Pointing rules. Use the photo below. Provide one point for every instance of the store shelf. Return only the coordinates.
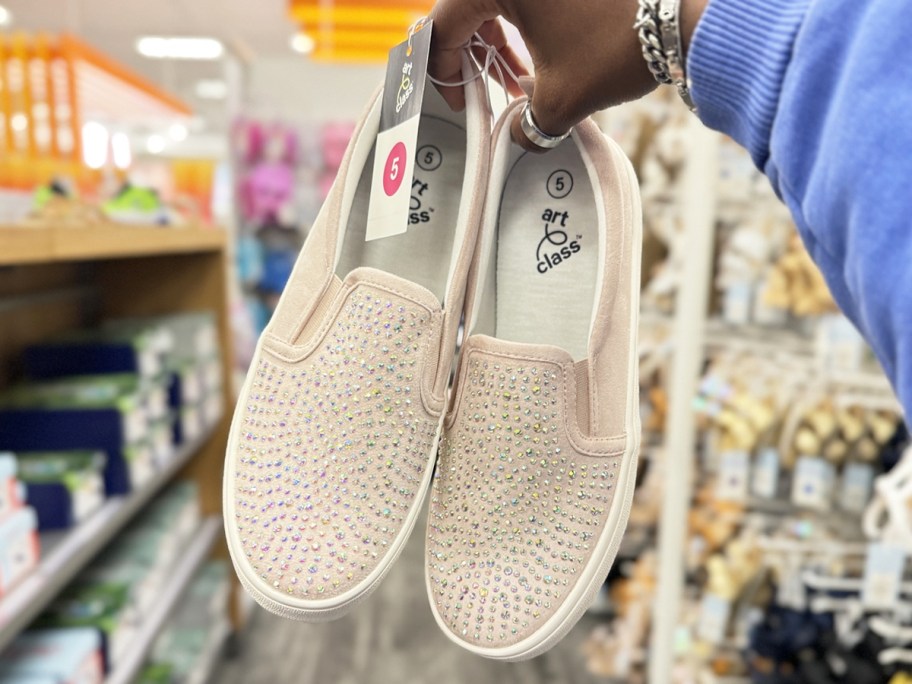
(63, 555)
(204, 670)
(29, 244)
(195, 554)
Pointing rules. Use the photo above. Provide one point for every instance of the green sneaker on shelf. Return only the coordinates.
(137, 205)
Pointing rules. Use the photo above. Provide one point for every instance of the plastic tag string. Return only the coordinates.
(493, 58)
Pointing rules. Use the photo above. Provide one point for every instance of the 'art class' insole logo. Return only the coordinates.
(556, 246)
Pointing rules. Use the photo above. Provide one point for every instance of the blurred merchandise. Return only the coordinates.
(64, 487)
(19, 547)
(139, 206)
(54, 656)
(152, 208)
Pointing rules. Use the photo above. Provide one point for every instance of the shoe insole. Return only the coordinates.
(423, 253)
(547, 251)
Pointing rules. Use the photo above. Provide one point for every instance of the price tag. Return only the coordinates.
(839, 343)
(714, 614)
(734, 468)
(857, 482)
(736, 305)
(812, 483)
(884, 567)
(88, 496)
(683, 642)
(394, 153)
(710, 453)
(135, 425)
(149, 363)
(791, 592)
(765, 480)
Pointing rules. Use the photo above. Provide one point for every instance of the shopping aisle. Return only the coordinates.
(391, 637)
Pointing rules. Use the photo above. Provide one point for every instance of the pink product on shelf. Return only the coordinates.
(334, 142)
(248, 140)
(281, 145)
(19, 547)
(254, 142)
(266, 191)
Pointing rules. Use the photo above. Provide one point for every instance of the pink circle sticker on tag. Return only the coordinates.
(394, 169)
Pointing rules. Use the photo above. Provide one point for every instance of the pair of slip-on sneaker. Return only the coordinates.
(336, 435)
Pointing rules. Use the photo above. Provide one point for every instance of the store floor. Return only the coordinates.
(390, 638)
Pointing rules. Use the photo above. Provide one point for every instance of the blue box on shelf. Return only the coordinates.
(68, 415)
(92, 352)
(64, 487)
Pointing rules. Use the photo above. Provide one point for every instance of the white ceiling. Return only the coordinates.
(249, 28)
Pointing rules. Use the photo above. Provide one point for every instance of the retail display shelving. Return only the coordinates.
(39, 243)
(698, 206)
(55, 278)
(65, 554)
(194, 555)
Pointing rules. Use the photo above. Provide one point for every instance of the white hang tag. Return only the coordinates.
(857, 483)
(884, 568)
(765, 477)
(736, 305)
(714, 614)
(734, 470)
(710, 453)
(839, 343)
(792, 592)
(812, 483)
(683, 641)
(394, 152)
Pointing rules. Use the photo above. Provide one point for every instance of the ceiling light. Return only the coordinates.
(155, 144)
(94, 144)
(177, 132)
(162, 47)
(211, 89)
(123, 155)
(301, 42)
(19, 122)
(5, 17)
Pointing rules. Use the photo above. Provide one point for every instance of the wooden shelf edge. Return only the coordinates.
(43, 244)
(193, 557)
(78, 546)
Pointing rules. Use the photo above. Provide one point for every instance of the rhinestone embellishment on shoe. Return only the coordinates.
(332, 450)
(515, 510)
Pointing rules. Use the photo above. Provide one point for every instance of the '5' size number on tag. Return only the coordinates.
(393, 169)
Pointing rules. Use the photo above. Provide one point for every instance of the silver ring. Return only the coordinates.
(535, 134)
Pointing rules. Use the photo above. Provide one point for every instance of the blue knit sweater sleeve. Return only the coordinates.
(820, 93)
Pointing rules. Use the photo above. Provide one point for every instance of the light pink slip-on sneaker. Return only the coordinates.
(538, 461)
(335, 433)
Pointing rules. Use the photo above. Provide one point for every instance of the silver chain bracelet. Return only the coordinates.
(659, 29)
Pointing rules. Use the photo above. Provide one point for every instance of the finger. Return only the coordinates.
(455, 21)
(517, 66)
(492, 33)
(520, 138)
(552, 113)
(454, 96)
(494, 69)
(554, 107)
